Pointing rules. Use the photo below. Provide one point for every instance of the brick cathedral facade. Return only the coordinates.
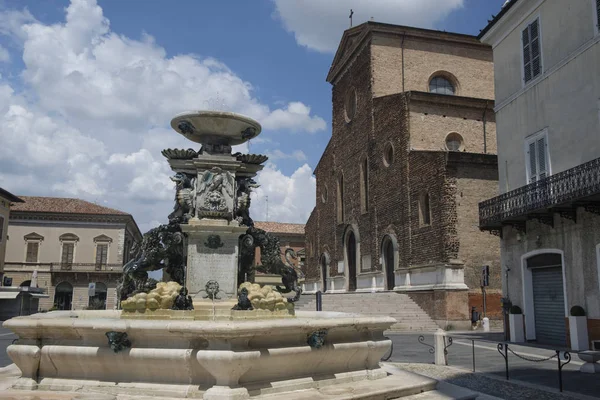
(412, 153)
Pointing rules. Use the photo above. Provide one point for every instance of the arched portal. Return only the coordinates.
(324, 264)
(351, 253)
(389, 250)
(63, 296)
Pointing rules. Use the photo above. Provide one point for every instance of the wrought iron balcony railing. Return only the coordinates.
(561, 193)
(63, 267)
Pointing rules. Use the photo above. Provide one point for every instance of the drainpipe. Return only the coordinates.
(402, 47)
(484, 135)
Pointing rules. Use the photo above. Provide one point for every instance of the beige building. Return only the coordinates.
(6, 198)
(77, 248)
(547, 88)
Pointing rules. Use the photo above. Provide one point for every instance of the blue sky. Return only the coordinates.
(87, 89)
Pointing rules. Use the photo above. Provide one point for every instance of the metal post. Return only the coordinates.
(473, 347)
(319, 301)
(506, 358)
(559, 371)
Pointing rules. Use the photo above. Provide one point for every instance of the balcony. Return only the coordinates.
(561, 193)
(63, 267)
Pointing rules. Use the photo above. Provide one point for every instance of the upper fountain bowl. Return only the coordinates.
(215, 127)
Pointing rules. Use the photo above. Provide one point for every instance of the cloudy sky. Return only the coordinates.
(88, 88)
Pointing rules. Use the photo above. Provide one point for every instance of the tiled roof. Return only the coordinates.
(280, 227)
(63, 206)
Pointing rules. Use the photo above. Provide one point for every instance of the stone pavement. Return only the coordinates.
(489, 364)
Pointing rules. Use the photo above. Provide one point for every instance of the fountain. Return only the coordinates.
(208, 331)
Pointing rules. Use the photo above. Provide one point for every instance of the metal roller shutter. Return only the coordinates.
(549, 306)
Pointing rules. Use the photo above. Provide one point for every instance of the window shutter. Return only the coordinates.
(542, 159)
(32, 252)
(101, 253)
(532, 60)
(536, 65)
(1, 229)
(67, 254)
(526, 55)
(532, 162)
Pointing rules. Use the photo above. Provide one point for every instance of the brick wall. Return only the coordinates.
(475, 178)
(430, 124)
(472, 66)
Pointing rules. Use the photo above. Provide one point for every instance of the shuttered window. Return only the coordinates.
(68, 250)
(537, 158)
(532, 57)
(1, 229)
(101, 254)
(597, 15)
(32, 252)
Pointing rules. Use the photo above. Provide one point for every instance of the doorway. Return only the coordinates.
(63, 296)
(389, 263)
(351, 251)
(324, 272)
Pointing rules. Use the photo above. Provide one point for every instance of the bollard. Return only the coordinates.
(319, 301)
(486, 324)
(439, 343)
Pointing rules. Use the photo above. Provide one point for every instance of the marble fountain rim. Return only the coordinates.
(305, 320)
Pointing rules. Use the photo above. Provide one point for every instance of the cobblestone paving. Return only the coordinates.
(484, 384)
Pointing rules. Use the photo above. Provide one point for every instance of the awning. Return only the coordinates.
(39, 295)
(8, 295)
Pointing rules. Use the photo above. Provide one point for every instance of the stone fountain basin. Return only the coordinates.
(68, 350)
(216, 127)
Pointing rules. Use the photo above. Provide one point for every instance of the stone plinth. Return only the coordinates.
(212, 254)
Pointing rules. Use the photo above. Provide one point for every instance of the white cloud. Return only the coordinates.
(295, 115)
(319, 24)
(4, 55)
(277, 154)
(95, 109)
(290, 198)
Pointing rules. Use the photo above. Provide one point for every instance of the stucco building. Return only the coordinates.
(6, 199)
(71, 244)
(547, 63)
(412, 153)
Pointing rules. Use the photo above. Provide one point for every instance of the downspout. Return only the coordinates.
(402, 47)
(484, 134)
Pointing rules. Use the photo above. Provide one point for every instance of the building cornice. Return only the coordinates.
(43, 216)
(449, 100)
(508, 20)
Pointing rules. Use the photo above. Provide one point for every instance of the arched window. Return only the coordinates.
(424, 209)
(364, 185)
(350, 104)
(441, 85)
(340, 199)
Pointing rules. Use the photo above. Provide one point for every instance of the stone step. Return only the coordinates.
(400, 306)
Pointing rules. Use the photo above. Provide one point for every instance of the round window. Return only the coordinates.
(388, 155)
(324, 195)
(441, 85)
(454, 142)
(350, 104)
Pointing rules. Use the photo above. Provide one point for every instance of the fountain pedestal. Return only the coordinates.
(213, 248)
